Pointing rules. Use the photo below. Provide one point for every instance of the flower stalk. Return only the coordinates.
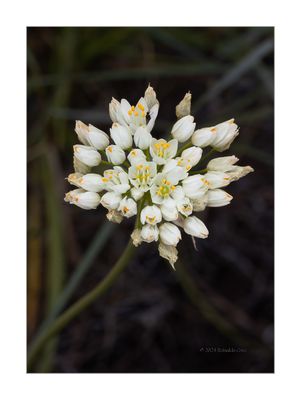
(84, 302)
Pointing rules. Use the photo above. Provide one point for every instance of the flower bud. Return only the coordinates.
(115, 154)
(80, 167)
(169, 234)
(170, 253)
(111, 200)
(222, 164)
(195, 186)
(142, 138)
(92, 182)
(74, 179)
(136, 156)
(195, 227)
(183, 129)
(121, 136)
(81, 130)
(136, 237)
(136, 193)
(226, 132)
(169, 210)
(97, 138)
(217, 179)
(149, 233)
(150, 97)
(200, 203)
(127, 207)
(83, 199)
(238, 172)
(151, 215)
(218, 198)
(87, 155)
(192, 155)
(184, 107)
(203, 137)
(114, 107)
(114, 216)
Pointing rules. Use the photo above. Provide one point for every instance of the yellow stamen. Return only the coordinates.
(133, 108)
(105, 179)
(125, 210)
(110, 149)
(130, 112)
(140, 106)
(136, 113)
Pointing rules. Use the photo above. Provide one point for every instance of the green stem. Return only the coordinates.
(209, 154)
(202, 171)
(81, 304)
(188, 144)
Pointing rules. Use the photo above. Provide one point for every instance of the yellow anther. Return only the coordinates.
(133, 108)
(143, 114)
(125, 209)
(205, 181)
(140, 106)
(105, 179)
(147, 168)
(133, 153)
(213, 130)
(173, 187)
(110, 149)
(130, 112)
(167, 183)
(151, 219)
(136, 113)
(140, 166)
(165, 145)
(188, 167)
(163, 180)
(158, 145)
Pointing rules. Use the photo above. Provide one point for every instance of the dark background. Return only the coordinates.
(153, 319)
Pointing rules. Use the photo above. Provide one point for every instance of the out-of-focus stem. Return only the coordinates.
(81, 304)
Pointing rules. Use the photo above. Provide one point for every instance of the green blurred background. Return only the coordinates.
(152, 320)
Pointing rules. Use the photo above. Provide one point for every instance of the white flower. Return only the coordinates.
(226, 132)
(121, 136)
(184, 107)
(117, 180)
(127, 207)
(200, 203)
(222, 164)
(190, 157)
(162, 151)
(111, 200)
(218, 198)
(164, 185)
(91, 182)
(183, 129)
(115, 154)
(142, 138)
(152, 180)
(136, 156)
(216, 179)
(169, 210)
(149, 233)
(184, 206)
(87, 155)
(81, 130)
(151, 215)
(203, 137)
(97, 138)
(195, 186)
(169, 234)
(136, 193)
(142, 175)
(83, 199)
(195, 227)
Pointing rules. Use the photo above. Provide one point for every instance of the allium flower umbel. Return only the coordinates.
(162, 181)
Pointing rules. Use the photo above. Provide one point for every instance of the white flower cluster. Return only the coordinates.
(154, 178)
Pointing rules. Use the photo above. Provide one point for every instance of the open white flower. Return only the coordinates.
(161, 181)
(151, 215)
(162, 151)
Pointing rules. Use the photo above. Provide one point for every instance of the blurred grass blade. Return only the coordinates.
(235, 73)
